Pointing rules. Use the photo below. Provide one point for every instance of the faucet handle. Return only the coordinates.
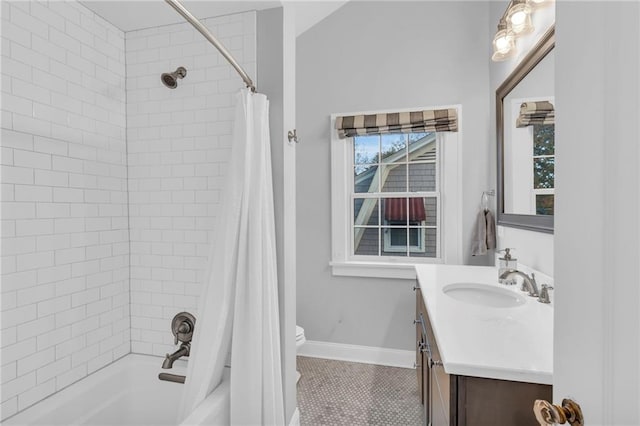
(544, 294)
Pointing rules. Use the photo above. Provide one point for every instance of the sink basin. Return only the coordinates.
(484, 295)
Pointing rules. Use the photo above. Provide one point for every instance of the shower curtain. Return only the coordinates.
(238, 308)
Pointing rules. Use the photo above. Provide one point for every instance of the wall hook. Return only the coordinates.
(292, 136)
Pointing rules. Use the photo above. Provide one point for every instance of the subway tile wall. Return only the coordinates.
(178, 146)
(65, 242)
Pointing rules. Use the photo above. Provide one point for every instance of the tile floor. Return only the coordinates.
(348, 393)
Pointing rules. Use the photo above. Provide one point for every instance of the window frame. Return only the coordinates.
(449, 235)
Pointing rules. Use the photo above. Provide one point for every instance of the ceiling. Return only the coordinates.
(131, 15)
(137, 14)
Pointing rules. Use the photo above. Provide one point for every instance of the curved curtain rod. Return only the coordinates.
(205, 32)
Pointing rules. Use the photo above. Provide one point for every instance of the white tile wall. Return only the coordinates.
(65, 242)
(178, 146)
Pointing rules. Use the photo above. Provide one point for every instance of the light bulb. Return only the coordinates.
(539, 4)
(503, 43)
(519, 18)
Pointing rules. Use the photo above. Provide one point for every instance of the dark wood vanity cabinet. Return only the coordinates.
(455, 400)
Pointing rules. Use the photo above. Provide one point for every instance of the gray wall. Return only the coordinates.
(534, 249)
(379, 56)
(269, 81)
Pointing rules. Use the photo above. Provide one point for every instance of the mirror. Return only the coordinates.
(526, 137)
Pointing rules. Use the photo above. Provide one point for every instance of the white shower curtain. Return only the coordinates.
(239, 303)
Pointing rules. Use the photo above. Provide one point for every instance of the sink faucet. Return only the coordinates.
(528, 283)
(169, 359)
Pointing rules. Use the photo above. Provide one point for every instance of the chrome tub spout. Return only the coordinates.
(169, 359)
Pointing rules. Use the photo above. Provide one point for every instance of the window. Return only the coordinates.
(544, 168)
(388, 202)
(395, 195)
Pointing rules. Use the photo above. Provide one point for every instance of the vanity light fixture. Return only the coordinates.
(515, 22)
(504, 43)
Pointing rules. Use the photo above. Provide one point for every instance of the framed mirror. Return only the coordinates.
(525, 119)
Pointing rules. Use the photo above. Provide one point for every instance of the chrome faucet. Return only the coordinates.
(182, 327)
(528, 283)
(169, 359)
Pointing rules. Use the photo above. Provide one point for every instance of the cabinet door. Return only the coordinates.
(439, 380)
(426, 389)
(498, 402)
(419, 341)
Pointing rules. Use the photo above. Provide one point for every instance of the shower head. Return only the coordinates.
(170, 79)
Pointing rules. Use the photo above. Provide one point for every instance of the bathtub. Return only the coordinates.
(127, 392)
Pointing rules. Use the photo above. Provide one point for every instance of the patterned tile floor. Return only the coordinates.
(348, 394)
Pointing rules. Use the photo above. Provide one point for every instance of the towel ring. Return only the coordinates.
(484, 200)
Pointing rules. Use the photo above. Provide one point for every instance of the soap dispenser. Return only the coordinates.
(506, 263)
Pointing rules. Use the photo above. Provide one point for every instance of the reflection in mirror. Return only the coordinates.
(525, 116)
(529, 140)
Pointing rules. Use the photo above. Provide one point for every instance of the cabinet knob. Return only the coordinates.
(417, 321)
(433, 363)
(415, 287)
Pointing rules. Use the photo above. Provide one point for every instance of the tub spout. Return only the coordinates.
(169, 359)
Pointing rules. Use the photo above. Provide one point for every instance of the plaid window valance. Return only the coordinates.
(438, 120)
(536, 113)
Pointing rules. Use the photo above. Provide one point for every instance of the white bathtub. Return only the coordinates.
(127, 392)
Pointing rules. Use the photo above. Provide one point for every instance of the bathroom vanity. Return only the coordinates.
(484, 351)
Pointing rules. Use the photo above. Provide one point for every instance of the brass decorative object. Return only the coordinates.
(550, 414)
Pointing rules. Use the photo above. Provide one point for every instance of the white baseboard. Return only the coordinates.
(295, 419)
(355, 353)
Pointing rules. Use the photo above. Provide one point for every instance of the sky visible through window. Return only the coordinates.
(370, 149)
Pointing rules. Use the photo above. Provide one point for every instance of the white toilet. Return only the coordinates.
(300, 339)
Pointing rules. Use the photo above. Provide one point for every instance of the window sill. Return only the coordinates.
(404, 271)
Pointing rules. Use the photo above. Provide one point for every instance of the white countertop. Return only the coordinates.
(499, 343)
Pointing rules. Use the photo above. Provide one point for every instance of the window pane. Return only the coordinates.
(394, 241)
(365, 178)
(366, 149)
(417, 136)
(365, 211)
(543, 173)
(431, 211)
(544, 139)
(429, 249)
(422, 177)
(545, 204)
(366, 241)
(424, 148)
(394, 178)
(394, 148)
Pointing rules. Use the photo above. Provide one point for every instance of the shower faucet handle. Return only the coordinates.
(182, 327)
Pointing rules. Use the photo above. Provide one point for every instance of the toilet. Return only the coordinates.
(300, 339)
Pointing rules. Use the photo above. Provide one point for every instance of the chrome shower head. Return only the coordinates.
(170, 79)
